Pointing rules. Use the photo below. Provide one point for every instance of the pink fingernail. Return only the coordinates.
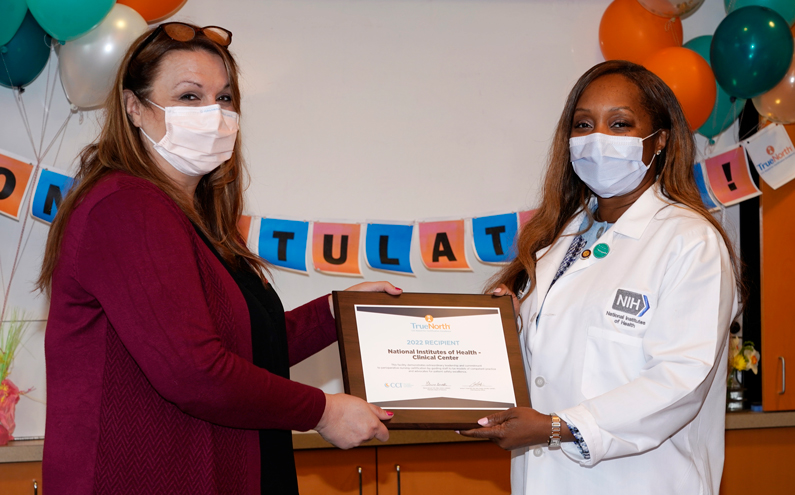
(398, 288)
(390, 413)
(483, 421)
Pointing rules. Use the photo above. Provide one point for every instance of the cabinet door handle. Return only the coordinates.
(397, 468)
(783, 376)
(359, 469)
(35, 488)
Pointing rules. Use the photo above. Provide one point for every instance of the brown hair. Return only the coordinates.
(218, 202)
(564, 194)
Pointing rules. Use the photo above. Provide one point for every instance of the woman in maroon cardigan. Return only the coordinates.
(167, 351)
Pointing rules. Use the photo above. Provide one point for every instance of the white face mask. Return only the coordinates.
(198, 139)
(609, 165)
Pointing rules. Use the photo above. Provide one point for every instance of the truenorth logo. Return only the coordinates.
(631, 303)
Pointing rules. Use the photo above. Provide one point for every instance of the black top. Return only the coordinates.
(269, 346)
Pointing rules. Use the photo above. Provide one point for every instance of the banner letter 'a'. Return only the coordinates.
(335, 248)
(283, 243)
(388, 247)
(442, 245)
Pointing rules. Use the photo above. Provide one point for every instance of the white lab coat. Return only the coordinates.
(642, 378)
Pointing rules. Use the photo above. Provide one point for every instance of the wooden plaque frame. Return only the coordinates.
(424, 419)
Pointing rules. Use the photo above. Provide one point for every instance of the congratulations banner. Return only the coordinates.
(443, 245)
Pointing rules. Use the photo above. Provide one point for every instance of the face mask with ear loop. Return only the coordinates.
(609, 165)
(198, 139)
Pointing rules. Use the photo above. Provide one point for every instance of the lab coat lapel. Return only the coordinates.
(631, 224)
(549, 259)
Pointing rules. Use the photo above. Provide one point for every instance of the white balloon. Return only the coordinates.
(89, 63)
(671, 8)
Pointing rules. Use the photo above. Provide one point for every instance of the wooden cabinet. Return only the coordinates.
(333, 471)
(778, 311)
(759, 461)
(19, 478)
(460, 469)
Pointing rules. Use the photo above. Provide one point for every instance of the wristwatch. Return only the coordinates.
(554, 438)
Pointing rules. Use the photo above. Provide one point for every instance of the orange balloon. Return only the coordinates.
(154, 10)
(630, 32)
(690, 78)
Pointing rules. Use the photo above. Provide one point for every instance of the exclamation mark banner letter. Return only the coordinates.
(442, 245)
(730, 178)
(51, 188)
(388, 247)
(335, 248)
(727, 171)
(14, 178)
(283, 243)
(494, 237)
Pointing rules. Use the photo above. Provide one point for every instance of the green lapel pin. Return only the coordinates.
(601, 250)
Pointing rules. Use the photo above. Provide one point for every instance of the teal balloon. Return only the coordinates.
(24, 57)
(11, 14)
(727, 108)
(751, 51)
(66, 20)
(785, 8)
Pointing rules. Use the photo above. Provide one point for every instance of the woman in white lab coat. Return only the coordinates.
(627, 286)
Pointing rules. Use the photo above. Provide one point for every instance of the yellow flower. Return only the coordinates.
(739, 362)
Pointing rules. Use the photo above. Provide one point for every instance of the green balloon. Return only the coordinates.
(11, 14)
(67, 20)
(24, 57)
(785, 8)
(751, 51)
(727, 108)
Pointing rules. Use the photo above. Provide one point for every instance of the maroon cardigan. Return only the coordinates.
(150, 385)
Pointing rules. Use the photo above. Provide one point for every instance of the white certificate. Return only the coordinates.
(434, 357)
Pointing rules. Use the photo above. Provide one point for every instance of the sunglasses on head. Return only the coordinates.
(179, 31)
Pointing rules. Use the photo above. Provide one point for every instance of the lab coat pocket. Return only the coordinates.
(612, 359)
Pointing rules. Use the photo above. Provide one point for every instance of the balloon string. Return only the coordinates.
(23, 113)
(44, 109)
(669, 26)
(61, 132)
(48, 101)
(19, 249)
(63, 135)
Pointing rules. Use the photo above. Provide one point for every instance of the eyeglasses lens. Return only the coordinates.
(218, 35)
(179, 32)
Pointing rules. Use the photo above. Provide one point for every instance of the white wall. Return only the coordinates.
(362, 110)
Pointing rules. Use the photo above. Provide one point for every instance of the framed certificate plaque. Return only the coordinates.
(437, 361)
